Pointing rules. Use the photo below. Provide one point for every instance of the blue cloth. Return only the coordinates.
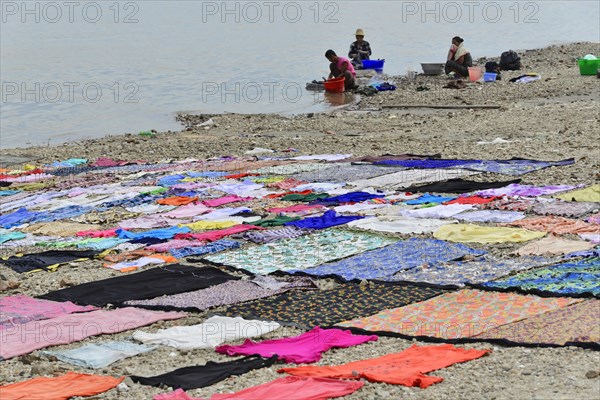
(399, 256)
(515, 167)
(209, 248)
(16, 218)
(170, 180)
(352, 197)
(328, 219)
(5, 235)
(164, 233)
(71, 162)
(588, 253)
(61, 213)
(427, 163)
(429, 198)
(9, 192)
(100, 355)
(101, 244)
(207, 174)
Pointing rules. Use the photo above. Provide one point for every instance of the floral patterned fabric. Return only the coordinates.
(576, 277)
(327, 307)
(461, 314)
(301, 252)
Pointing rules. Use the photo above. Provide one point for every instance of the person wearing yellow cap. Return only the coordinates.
(359, 50)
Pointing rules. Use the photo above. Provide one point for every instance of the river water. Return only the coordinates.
(82, 69)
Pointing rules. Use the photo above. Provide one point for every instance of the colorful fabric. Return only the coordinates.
(209, 248)
(427, 164)
(577, 323)
(300, 209)
(6, 235)
(575, 277)
(591, 194)
(225, 200)
(406, 368)
(441, 211)
(388, 260)
(461, 314)
(327, 307)
(99, 355)
(327, 220)
(63, 387)
(393, 224)
(300, 252)
(20, 309)
(272, 235)
(344, 172)
(556, 225)
(166, 233)
(516, 189)
(565, 208)
(128, 266)
(75, 327)
(515, 167)
(275, 221)
(217, 234)
(404, 179)
(429, 198)
(303, 349)
(469, 233)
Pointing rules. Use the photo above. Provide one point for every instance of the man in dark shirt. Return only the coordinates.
(359, 50)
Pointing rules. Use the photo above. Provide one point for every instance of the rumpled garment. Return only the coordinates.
(225, 200)
(516, 189)
(470, 233)
(108, 162)
(574, 277)
(200, 376)
(177, 200)
(290, 387)
(208, 335)
(9, 192)
(166, 233)
(354, 208)
(99, 355)
(175, 244)
(515, 167)
(427, 164)
(275, 220)
(553, 245)
(299, 253)
(56, 228)
(20, 309)
(204, 225)
(403, 225)
(272, 235)
(458, 186)
(300, 209)
(150, 221)
(591, 193)
(62, 387)
(212, 236)
(231, 292)
(28, 178)
(221, 213)
(590, 253)
(594, 219)
(328, 219)
(322, 157)
(591, 237)
(557, 225)
(106, 233)
(429, 198)
(152, 208)
(128, 266)
(511, 204)
(461, 314)
(188, 211)
(565, 208)
(460, 272)
(286, 184)
(209, 248)
(442, 211)
(388, 260)
(6, 235)
(490, 216)
(16, 218)
(127, 255)
(406, 368)
(304, 197)
(404, 179)
(466, 199)
(48, 260)
(305, 348)
(238, 188)
(75, 327)
(352, 197)
(575, 324)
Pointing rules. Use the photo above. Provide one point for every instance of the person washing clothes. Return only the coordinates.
(359, 50)
(459, 58)
(341, 66)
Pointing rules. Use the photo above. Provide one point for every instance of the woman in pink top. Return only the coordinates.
(341, 66)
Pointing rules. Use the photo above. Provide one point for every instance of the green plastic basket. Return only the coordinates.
(588, 67)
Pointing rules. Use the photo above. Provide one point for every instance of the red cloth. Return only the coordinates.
(177, 200)
(218, 234)
(238, 176)
(288, 388)
(99, 234)
(471, 200)
(277, 195)
(405, 368)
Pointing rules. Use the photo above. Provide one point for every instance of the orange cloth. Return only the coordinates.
(556, 225)
(240, 175)
(177, 200)
(60, 388)
(405, 368)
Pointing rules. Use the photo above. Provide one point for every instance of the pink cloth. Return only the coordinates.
(107, 162)
(150, 221)
(21, 309)
(225, 200)
(25, 338)
(218, 234)
(300, 208)
(187, 211)
(28, 178)
(99, 234)
(306, 348)
(342, 60)
(286, 388)
(175, 244)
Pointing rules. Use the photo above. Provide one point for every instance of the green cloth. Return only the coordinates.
(305, 198)
(277, 221)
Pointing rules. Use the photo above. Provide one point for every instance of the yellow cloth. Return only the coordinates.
(207, 225)
(591, 193)
(471, 233)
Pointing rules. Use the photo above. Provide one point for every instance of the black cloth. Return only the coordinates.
(5, 184)
(171, 279)
(461, 69)
(458, 186)
(148, 241)
(33, 261)
(205, 375)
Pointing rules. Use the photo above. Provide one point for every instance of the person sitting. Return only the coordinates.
(459, 58)
(359, 50)
(341, 66)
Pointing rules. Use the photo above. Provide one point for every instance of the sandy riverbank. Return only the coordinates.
(555, 118)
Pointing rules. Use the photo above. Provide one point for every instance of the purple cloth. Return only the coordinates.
(353, 197)
(428, 163)
(516, 189)
(330, 218)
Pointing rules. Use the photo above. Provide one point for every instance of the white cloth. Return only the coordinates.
(221, 213)
(402, 225)
(354, 208)
(150, 208)
(590, 237)
(406, 178)
(441, 211)
(140, 262)
(189, 210)
(491, 216)
(320, 187)
(208, 335)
